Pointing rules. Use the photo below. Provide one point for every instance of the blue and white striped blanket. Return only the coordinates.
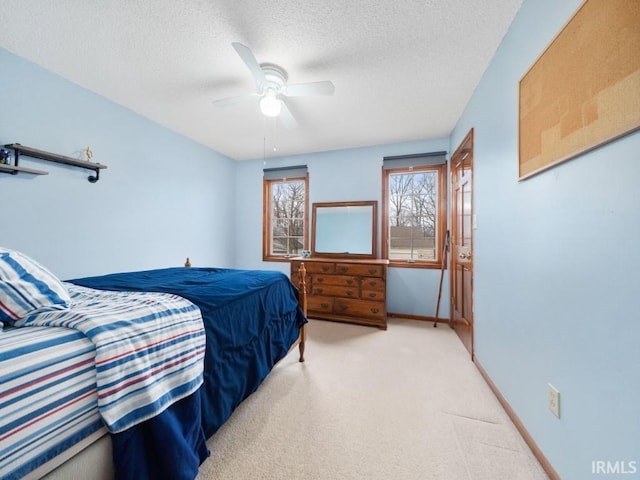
(48, 397)
(149, 349)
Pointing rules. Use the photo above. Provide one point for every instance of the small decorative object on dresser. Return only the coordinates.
(345, 290)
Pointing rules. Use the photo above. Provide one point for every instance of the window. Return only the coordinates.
(285, 207)
(414, 209)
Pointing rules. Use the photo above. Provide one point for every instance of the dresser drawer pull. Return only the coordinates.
(342, 307)
(318, 290)
(373, 295)
(349, 282)
(325, 268)
(374, 310)
(324, 305)
(349, 293)
(373, 284)
(319, 279)
(372, 271)
(344, 269)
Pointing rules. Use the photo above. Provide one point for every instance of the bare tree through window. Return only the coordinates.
(414, 197)
(285, 219)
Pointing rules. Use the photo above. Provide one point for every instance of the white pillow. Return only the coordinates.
(27, 287)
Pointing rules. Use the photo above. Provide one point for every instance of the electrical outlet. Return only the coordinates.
(553, 398)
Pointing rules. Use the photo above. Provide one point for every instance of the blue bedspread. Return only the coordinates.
(251, 319)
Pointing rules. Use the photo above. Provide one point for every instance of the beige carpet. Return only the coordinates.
(368, 404)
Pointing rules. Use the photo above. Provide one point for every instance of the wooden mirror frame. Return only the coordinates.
(374, 229)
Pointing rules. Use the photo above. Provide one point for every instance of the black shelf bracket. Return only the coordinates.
(94, 178)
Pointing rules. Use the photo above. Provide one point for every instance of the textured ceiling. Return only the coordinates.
(403, 69)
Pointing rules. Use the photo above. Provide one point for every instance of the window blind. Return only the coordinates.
(414, 160)
(280, 173)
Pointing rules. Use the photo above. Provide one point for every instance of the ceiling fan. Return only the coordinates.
(272, 88)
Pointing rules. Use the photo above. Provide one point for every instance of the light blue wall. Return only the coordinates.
(162, 198)
(556, 269)
(338, 176)
(556, 262)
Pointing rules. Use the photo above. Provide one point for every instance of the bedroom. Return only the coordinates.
(555, 289)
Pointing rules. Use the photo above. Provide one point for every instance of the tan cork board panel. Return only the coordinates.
(584, 90)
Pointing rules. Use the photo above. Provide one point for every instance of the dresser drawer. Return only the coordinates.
(336, 291)
(372, 283)
(364, 308)
(360, 270)
(320, 304)
(377, 295)
(343, 280)
(320, 267)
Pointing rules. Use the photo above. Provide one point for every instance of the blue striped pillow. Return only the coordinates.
(27, 287)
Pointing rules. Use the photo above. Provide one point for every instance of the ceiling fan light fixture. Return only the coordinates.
(272, 88)
(270, 105)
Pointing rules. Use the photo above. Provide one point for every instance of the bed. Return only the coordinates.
(235, 325)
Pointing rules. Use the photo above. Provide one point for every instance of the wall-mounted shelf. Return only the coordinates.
(49, 157)
(14, 170)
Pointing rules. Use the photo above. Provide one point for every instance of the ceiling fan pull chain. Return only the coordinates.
(275, 135)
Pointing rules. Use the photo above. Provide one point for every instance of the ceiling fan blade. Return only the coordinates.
(228, 102)
(250, 60)
(313, 88)
(286, 117)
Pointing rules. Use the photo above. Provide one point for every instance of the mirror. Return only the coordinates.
(344, 229)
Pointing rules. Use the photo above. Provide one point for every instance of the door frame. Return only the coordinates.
(464, 153)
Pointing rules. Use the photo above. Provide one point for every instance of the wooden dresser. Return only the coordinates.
(343, 290)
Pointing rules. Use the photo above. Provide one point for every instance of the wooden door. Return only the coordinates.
(462, 242)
